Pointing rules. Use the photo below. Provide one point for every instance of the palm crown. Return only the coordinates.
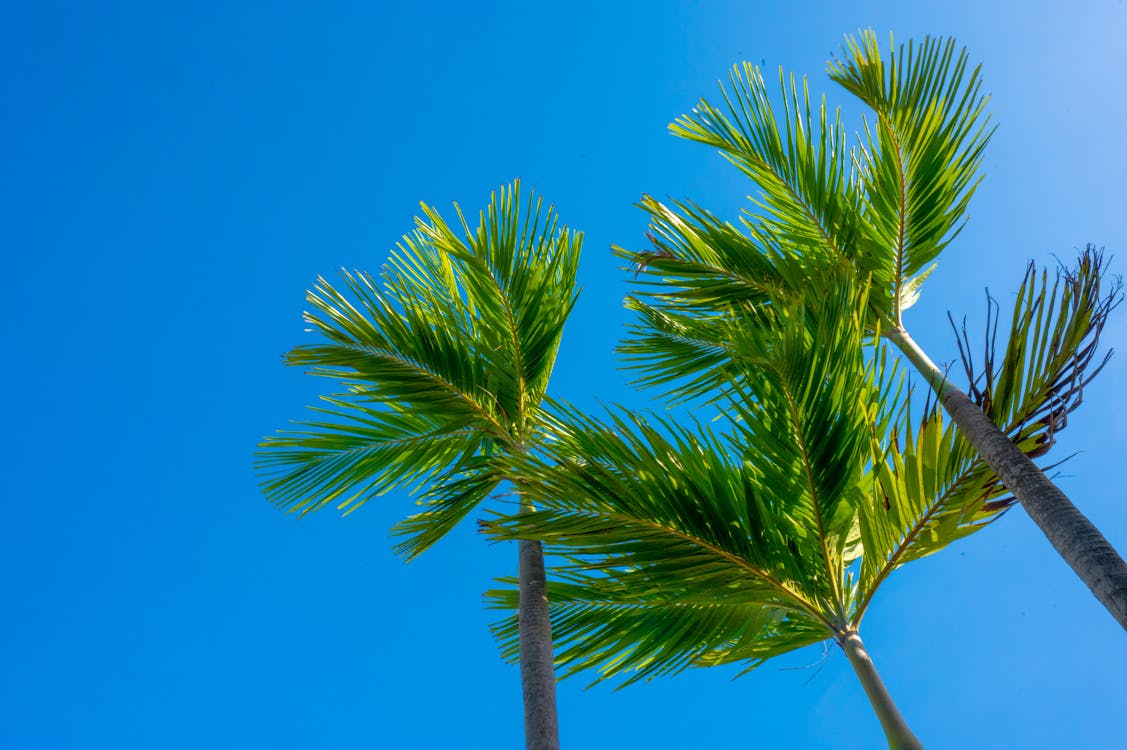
(885, 209)
(888, 207)
(445, 359)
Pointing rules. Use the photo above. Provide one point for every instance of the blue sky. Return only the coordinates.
(176, 175)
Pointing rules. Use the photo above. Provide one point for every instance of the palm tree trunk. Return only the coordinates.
(537, 666)
(1072, 535)
(899, 736)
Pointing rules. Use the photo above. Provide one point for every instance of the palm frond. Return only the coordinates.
(773, 504)
(809, 402)
(1052, 351)
(681, 548)
(920, 158)
(700, 263)
(447, 501)
(687, 356)
(621, 625)
(797, 158)
(358, 452)
(424, 351)
(698, 281)
(927, 492)
(684, 548)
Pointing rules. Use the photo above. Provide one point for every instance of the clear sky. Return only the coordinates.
(174, 176)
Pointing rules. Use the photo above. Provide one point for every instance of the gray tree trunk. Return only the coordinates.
(1080, 543)
(899, 736)
(537, 666)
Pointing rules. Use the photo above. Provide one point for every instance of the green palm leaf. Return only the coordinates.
(358, 453)
(653, 493)
(447, 501)
(520, 276)
(809, 401)
(714, 279)
(921, 157)
(929, 491)
(1051, 353)
(422, 351)
(796, 158)
(623, 625)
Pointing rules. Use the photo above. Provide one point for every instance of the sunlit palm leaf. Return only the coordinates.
(809, 402)
(672, 499)
(701, 265)
(706, 263)
(412, 350)
(700, 279)
(622, 625)
(695, 571)
(686, 356)
(357, 454)
(921, 157)
(683, 548)
(928, 491)
(797, 158)
(522, 268)
(1052, 349)
(917, 170)
(694, 548)
(447, 501)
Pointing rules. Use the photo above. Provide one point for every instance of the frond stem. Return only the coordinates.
(902, 222)
(833, 576)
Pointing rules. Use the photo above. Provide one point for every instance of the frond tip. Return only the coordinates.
(920, 161)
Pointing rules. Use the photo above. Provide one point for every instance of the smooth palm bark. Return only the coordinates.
(1069, 531)
(537, 665)
(899, 736)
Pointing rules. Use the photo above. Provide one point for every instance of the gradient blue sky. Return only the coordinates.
(174, 176)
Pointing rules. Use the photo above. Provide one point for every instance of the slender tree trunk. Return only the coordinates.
(1072, 535)
(537, 665)
(899, 736)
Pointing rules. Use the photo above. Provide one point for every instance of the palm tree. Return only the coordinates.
(682, 547)
(886, 209)
(445, 361)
